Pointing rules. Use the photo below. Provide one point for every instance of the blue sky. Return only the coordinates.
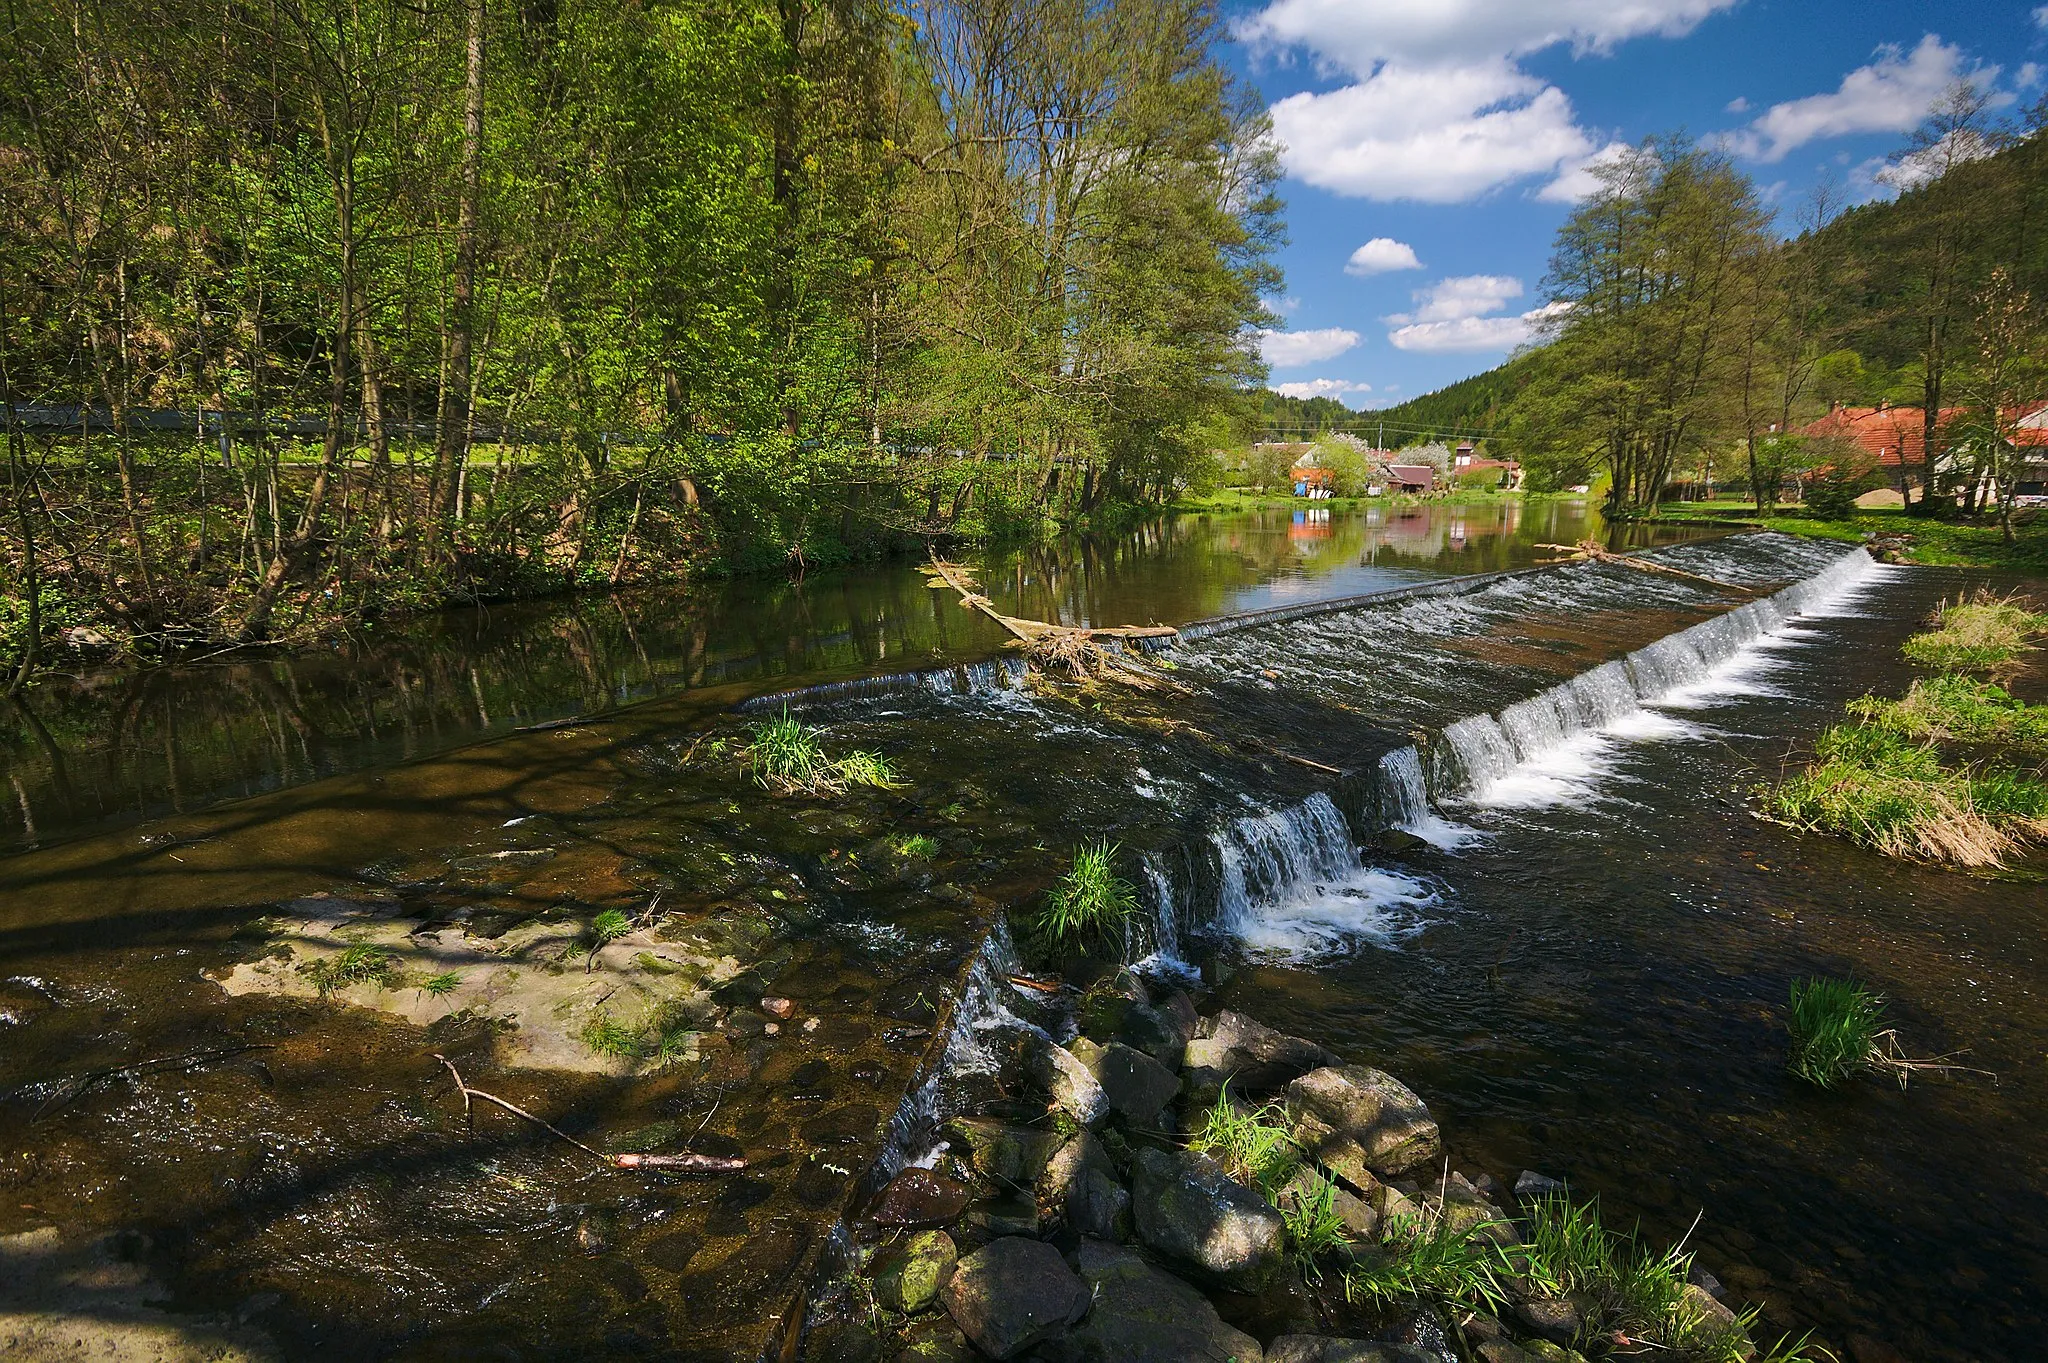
(1431, 145)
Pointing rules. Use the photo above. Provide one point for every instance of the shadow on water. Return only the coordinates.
(106, 748)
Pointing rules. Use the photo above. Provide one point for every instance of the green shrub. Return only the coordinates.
(1835, 1026)
(1091, 901)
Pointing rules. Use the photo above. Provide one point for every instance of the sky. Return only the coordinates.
(1433, 147)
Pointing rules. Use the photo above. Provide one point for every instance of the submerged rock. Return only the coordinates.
(1081, 1187)
(1323, 1349)
(909, 1281)
(1186, 1207)
(1371, 1107)
(920, 1197)
(1012, 1294)
(1250, 1056)
(1141, 1315)
(1015, 1155)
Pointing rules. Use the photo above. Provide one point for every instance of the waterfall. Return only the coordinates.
(982, 678)
(1530, 751)
(1402, 792)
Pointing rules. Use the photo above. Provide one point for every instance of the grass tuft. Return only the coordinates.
(440, 985)
(608, 1037)
(1313, 1226)
(1429, 1259)
(1090, 901)
(359, 964)
(784, 755)
(1985, 634)
(862, 768)
(1253, 1145)
(918, 847)
(1835, 1026)
(1956, 709)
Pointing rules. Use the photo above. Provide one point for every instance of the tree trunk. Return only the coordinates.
(451, 434)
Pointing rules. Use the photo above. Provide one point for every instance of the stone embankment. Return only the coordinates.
(1086, 1213)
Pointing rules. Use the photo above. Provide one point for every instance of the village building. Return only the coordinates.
(1896, 439)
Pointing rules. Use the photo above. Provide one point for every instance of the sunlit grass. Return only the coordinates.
(1091, 901)
(441, 985)
(1985, 634)
(1428, 1259)
(785, 755)
(1314, 1229)
(1959, 709)
(1835, 1025)
(1253, 1145)
(862, 768)
(918, 847)
(608, 1037)
(359, 964)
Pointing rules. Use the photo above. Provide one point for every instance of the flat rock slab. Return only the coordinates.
(1248, 1055)
(533, 982)
(1142, 1315)
(921, 1197)
(1369, 1106)
(1013, 1293)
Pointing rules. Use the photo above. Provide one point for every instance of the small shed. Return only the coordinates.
(1411, 477)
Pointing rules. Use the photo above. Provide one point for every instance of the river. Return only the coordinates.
(1581, 967)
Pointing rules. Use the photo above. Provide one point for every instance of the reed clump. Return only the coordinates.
(786, 756)
(1894, 795)
(1836, 1028)
(1090, 902)
(1985, 634)
(1253, 1144)
(1959, 709)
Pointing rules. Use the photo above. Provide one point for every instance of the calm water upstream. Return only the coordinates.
(112, 747)
(1582, 970)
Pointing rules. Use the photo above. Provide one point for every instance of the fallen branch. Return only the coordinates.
(1070, 649)
(1587, 549)
(682, 1164)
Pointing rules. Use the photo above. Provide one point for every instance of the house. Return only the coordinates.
(1896, 438)
(1411, 477)
(1309, 477)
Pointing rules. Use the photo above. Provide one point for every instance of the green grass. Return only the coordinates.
(1959, 709)
(441, 985)
(359, 964)
(1893, 795)
(674, 1030)
(1953, 544)
(1986, 634)
(785, 755)
(608, 1037)
(918, 847)
(1835, 1026)
(608, 927)
(1091, 901)
(1314, 1229)
(1253, 1145)
(1428, 1259)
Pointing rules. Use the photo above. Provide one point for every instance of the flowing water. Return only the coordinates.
(1579, 959)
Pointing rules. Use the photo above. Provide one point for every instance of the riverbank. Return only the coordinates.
(1920, 539)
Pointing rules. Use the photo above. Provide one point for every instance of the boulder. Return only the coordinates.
(1556, 1321)
(1141, 1315)
(1071, 1081)
(909, 1281)
(1708, 1307)
(1015, 1155)
(920, 1197)
(1160, 1033)
(1136, 1086)
(1342, 1156)
(1501, 1350)
(1187, 1208)
(935, 1340)
(1012, 1294)
(1179, 1009)
(1081, 1187)
(1250, 1056)
(1534, 1187)
(1371, 1107)
(1543, 1351)
(997, 1216)
(1323, 1349)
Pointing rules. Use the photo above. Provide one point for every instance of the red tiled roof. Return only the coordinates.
(1898, 434)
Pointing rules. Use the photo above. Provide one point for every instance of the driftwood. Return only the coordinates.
(1069, 649)
(1587, 549)
(674, 1164)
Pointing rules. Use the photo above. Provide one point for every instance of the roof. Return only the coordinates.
(1897, 435)
(1412, 473)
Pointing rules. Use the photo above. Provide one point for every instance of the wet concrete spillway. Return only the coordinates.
(225, 1035)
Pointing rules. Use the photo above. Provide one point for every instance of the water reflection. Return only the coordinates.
(116, 746)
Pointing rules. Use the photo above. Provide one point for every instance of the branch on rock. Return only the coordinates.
(675, 1164)
(1067, 650)
(1586, 550)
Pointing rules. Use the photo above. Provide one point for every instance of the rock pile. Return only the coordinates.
(1088, 1217)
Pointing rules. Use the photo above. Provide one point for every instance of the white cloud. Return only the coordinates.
(2041, 17)
(1321, 388)
(1381, 255)
(1474, 333)
(1285, 349)
(1441, 135)
(2028, 76)
(1891, 94)
(1459, 297)
(1438, 108)
(1931, 163)
(1738, 105)
(1576, 179)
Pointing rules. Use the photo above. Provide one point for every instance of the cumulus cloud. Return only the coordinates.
(1438, 108)
(1738, 105)
(1455, 314)
(1286, 349)
(2028, 76)
(1578, 179)
(1381, 255)
(1891, 94)
(1460, 297)
(1321, 388)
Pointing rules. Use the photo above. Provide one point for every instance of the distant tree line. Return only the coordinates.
(586, 292)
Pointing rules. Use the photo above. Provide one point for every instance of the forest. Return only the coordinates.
(314, 311)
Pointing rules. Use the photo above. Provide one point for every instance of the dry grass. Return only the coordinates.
(1985, 634)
